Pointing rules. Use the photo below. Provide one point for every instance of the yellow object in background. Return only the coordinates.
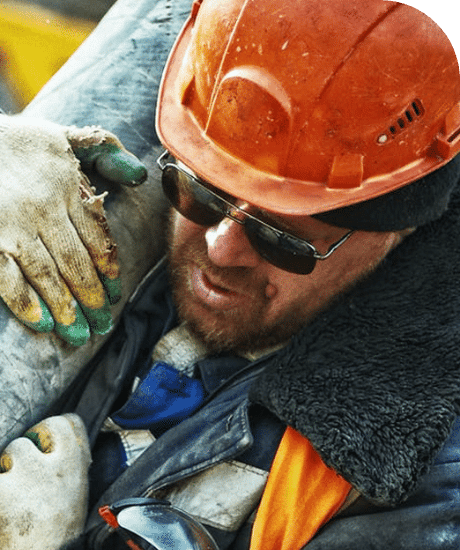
(34, 43)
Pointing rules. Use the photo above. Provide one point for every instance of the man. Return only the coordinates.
(306, 328)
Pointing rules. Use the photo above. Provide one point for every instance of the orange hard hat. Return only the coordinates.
(301, 107)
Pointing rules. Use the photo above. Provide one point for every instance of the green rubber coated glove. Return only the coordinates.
(58, 261)
(103, 151)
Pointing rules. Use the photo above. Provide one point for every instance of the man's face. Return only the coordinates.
(235, 300)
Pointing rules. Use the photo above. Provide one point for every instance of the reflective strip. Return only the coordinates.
(302, 494)
(223, 496)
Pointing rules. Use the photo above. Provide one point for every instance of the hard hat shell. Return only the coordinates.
(302, 107)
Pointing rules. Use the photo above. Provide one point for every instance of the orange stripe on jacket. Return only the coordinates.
(301, 495)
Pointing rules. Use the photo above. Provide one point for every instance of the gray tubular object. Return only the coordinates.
(112, 81)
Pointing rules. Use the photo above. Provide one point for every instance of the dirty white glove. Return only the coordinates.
(55, 246)
(44, 485)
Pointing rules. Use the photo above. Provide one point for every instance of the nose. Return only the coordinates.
(228, 245)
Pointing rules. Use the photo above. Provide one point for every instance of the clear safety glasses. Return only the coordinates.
(202, 204)
(150, 524)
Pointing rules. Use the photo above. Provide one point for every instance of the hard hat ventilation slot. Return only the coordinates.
(454, 136)
(414, 110)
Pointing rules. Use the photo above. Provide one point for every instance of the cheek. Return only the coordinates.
(341, 271)
(307, 295)
(288, 292)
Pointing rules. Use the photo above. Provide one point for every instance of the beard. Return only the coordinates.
(239, 329)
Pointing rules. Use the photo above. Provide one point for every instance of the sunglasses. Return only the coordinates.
(204, 205)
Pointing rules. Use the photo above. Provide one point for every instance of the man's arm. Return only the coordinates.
(111, 82)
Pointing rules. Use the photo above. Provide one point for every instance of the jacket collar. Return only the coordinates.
(374, 382)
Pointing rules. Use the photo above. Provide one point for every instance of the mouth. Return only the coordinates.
(214, 293)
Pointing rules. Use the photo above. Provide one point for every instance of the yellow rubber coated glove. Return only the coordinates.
(58, 261)
(44, 485)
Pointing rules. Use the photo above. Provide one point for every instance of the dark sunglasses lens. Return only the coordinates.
(194, 202)
(280, 250)
(199, 205)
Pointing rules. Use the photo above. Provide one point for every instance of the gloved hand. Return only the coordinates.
(55, 246)
(44, 485)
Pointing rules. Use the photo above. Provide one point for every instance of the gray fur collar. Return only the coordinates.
(374, 382)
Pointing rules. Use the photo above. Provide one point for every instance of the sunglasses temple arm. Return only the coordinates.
(161, 160)
(333, 247)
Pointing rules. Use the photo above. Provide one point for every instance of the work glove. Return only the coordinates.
(44, 485)
(58, 261)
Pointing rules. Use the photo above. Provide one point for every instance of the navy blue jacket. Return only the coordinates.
(230, 426)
